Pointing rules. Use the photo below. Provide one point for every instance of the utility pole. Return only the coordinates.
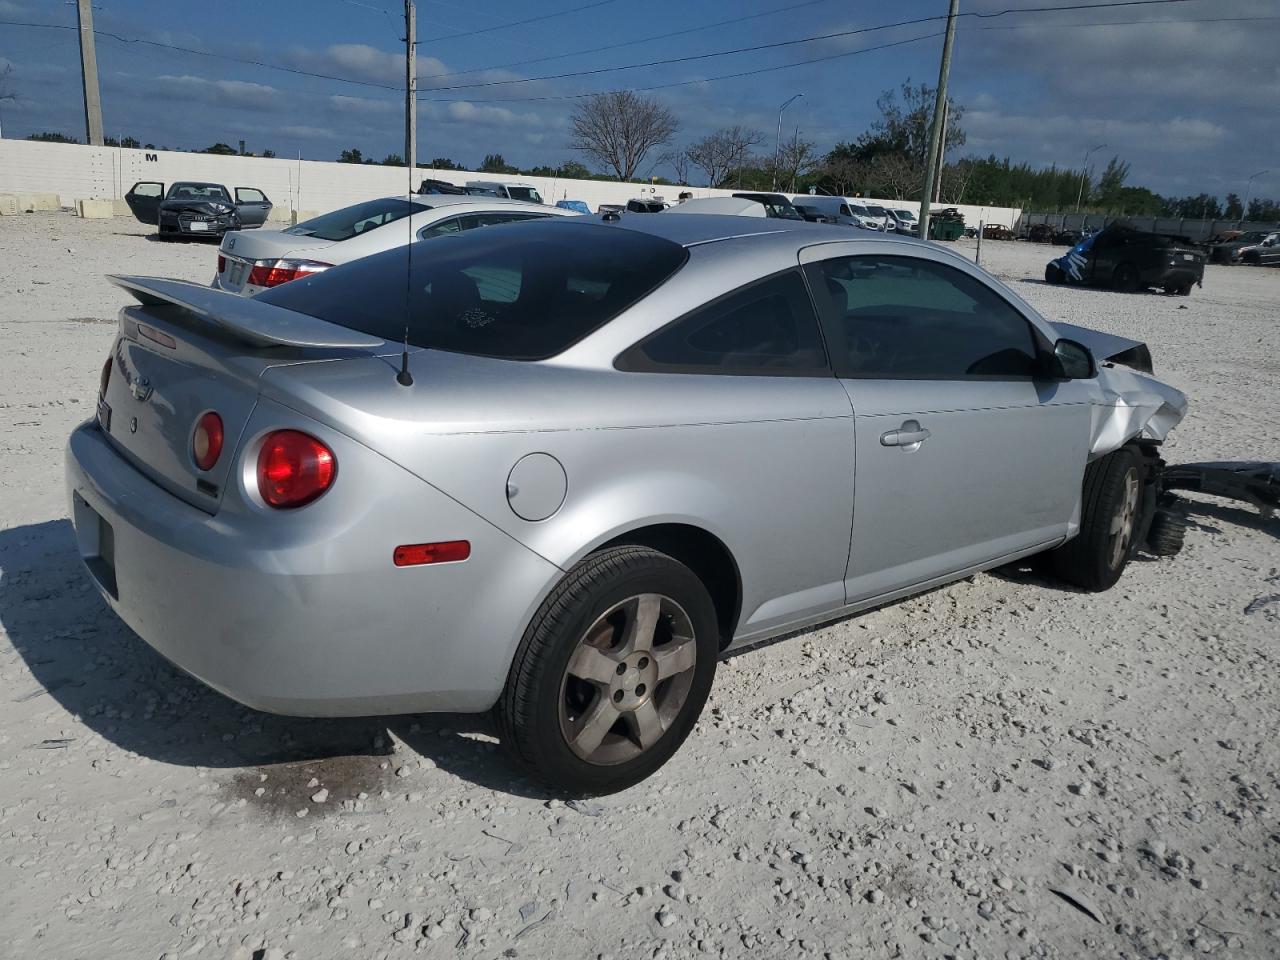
(935, 129)
(1084, 172)
(410, 88)
(89, 73)
(942, 153)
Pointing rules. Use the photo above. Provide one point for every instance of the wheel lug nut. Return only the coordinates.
(644, 662)
(640, 690)
(617, 696)
(622, 668)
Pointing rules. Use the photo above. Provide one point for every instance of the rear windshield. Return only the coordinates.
(524, 193)
(198, 191)
(346, 223)
(523, 291)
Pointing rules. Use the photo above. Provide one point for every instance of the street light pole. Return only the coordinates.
(1248, 188)
(777, 143)
(1084, 172)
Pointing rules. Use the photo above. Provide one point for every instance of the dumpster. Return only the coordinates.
(946, 225)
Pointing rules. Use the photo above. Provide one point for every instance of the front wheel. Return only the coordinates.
(612, 672)
(1110, 511)
(1054, 274)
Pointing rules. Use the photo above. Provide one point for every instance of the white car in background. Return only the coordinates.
(250, 262)
(862, 216)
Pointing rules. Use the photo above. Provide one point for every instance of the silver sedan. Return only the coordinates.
(557, 468)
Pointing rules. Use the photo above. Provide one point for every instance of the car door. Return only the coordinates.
(1269, 252)
(776, 470)
(144, 199)
(252, 205)
(962, 456)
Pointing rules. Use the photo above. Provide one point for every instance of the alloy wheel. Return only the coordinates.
(1124, 521)
(627, 679)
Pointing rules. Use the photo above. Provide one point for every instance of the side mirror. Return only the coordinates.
(1071, 361)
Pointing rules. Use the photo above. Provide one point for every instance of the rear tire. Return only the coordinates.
(1111, 509)
(1126, 278)
(612, 672)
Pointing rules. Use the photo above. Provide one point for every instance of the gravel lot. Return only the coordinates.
(1001, 768)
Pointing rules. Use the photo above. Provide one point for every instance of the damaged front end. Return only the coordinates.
(1135, 406)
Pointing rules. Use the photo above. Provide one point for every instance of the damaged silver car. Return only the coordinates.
(556, 468)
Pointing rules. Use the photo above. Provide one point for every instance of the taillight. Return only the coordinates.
(105, 377)
(294, 469)
(272, 273)
(206, 442)
(222, 264)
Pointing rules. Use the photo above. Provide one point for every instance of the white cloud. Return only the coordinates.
(237, 93)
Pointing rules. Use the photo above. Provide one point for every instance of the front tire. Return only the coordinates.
(1054, 274)
(612, 672)
(1111, 509)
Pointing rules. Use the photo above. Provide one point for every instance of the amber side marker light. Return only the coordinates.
(417, 554)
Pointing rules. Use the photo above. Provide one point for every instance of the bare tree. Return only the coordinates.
(719, 154)
(619, 129)
(795, 157)
(679, 162)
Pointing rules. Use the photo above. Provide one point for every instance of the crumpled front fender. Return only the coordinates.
(1133, 405)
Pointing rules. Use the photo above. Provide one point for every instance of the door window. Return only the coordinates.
(766, 329)
(905, 318)
(148, 189)
(250, 195)
(443, 228)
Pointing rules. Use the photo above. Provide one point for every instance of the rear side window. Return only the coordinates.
(517, 292)
(361, 218)
(766, 329)
(903, 318)
(250, 195)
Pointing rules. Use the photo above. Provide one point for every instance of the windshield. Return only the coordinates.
(346, 223)
(878, 211)
(524, 193)
(198, 191)
(523, 291)
(905, 214)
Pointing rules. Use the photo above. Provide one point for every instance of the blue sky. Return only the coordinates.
(1190, 104)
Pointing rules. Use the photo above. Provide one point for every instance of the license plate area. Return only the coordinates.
(97, 543)
(197, 226)
(104, 415)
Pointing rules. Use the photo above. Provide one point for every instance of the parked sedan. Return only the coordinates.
(1130, 260)
(197, 209)
(249, 263)
(555, 469)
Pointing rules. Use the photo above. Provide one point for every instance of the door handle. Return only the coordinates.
(910, 434)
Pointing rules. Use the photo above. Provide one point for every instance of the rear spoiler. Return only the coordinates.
(252, 321)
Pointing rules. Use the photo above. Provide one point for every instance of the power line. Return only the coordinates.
(631, 43)
(756, 48)
(521, 23)
(779, 44)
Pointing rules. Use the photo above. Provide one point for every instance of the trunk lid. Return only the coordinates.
(240, 249)
(187, 350)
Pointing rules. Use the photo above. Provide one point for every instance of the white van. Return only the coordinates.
(841, 209)
(510, 191)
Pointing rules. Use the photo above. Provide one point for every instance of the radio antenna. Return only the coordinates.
(404, 377)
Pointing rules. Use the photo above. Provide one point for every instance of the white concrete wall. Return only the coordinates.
(76, 172)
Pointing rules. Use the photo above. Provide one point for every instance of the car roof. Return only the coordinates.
(694, 229)
(436, 200)
(195, 183)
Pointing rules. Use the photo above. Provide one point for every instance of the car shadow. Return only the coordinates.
(83, 656)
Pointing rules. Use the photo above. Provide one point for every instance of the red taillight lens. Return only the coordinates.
(294, 469)
(105, 379)
(222, 264)
(415, 554)
(206, 443)
(272, 273)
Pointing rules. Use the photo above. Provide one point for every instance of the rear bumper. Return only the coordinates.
(303, 612)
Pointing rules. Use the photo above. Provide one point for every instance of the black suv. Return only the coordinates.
(775, 205)
(1131, 260)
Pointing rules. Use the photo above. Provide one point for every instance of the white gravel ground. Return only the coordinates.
(1001, 768)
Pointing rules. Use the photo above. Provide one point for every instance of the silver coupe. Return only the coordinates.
(556, 468)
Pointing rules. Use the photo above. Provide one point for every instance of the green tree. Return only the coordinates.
(393, 160)
(222, 150)
(269, 154)
(442, 163)
(50, 137)
(494, 163)
(351, 156)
